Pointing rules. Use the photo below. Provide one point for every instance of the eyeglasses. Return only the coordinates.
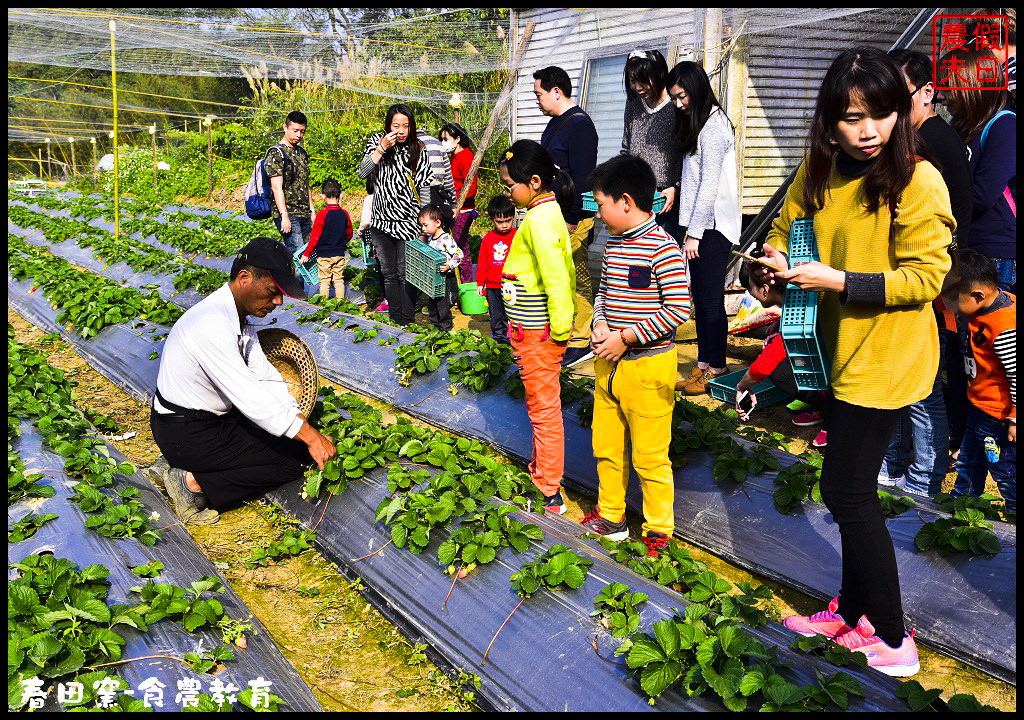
(509, 188)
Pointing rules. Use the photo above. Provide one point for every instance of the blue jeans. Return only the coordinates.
(974, 460)
(1007, 273)
(922, 433)
(298, 238)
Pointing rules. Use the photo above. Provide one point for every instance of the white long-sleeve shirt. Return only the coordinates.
(709, 196)
(211, 363)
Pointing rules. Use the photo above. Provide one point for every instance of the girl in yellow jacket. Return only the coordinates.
(883, 222)
(539, 290)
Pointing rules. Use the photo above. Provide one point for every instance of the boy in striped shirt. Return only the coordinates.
(643, 297)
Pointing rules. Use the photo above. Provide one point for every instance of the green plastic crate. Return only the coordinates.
(421, 263)
(364, 241)
(724, 389)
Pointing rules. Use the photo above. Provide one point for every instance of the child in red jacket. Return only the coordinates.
(332, 229)
(493, 250)
(773, 362)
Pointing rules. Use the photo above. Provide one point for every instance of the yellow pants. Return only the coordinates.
(331, 269)
(637, 411)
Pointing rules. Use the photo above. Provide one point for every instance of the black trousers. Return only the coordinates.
(858, 438)
(401, 295)
(439, 310)
(782, 377)
(496, 315)
(707, 293)
(231, 458)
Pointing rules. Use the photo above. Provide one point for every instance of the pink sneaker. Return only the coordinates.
(896, 662)
(808, 419)
(825, 623)
(820, 440)
(383, 307)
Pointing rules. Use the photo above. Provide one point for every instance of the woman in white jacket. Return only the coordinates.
(708, 209)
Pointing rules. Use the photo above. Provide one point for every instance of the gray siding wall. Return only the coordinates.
(785, 69)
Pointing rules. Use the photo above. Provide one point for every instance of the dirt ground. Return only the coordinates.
(350, 656)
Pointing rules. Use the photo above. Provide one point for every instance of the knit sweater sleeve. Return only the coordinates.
(997, 163)
(922, 232)
(627, 129)
(712, 145)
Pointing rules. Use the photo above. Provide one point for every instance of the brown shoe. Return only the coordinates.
(699, 385)
(695, 372)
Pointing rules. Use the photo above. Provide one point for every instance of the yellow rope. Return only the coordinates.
(133, 92)
(108, 107)
(252, 28)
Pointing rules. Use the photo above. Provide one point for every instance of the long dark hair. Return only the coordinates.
(459, 133)
(647, 67)
(412, 142)
(691, 77)
(527, 158)
(872, 75)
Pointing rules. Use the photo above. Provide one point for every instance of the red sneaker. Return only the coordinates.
(655, 542)
(594, 524)
(808, 419)
(820, 440)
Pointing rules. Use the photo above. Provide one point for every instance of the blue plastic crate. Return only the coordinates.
(307, 271)
(724, 388)
(421, 263)
(590, 205)
(811, 368)
(364, 241)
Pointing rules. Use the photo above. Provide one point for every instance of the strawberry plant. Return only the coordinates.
(58, 619)
(20, 485)
(26, 527)
(325, 306)
(112, 519)
(955, 503)
(149, 570)
(362, 334)
(966, 531)
(894, 505)
(833, 653)
(793, 484)
(206, 662)
(290, 545)
(483, 533)
(481, 371)
(187, 606)
(558, 566)
(619, 609)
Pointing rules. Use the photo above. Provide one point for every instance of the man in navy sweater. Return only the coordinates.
(571, 138)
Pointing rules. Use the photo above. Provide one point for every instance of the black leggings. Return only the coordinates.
(707, 293)
(858, 438)
(401, 295)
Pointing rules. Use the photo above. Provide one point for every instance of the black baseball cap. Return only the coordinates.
(269, 254)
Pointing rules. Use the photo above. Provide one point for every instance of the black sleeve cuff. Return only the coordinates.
(866, 288)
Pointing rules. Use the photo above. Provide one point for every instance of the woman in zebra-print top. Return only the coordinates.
(396, 163)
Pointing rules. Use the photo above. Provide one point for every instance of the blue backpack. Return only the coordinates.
(259, 197)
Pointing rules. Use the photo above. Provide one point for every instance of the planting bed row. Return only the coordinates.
(736, 521)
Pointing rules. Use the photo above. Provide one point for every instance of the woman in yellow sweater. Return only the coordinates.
(539, 290)
(883, 222)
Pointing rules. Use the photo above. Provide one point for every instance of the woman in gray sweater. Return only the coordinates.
(649, 127)
(708, 209)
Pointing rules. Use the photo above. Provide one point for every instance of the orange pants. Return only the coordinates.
(540, 362)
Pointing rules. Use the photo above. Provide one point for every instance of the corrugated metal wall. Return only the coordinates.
(784, 72)
(564, 37)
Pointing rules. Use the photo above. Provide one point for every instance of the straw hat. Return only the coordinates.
(293, 358)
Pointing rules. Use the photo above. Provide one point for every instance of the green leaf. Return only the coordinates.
(574, 577)
(644, 652)
(668, 637)
(726, 682)
(752, 682)
(657, 677)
